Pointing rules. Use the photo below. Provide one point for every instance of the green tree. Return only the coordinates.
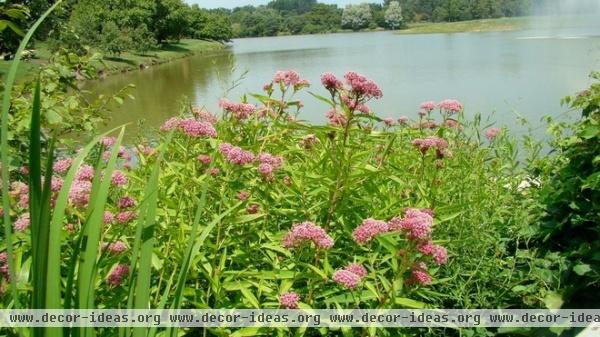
(297, 6)
(113, 40)
(170, 20)
(393, 15)
(357, 17)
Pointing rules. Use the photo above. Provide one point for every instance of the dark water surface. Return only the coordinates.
(501, 75)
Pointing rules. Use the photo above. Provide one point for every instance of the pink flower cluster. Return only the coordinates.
(204, 159)
(119, 178)
(350, 276)
(418, 224)
(191, 127)
(241, 111)
(197, 129)
(331, 82)
(85, 172)
(4, 273)
(431, 142)
(63, 165)
(236, 155)
(289, 300)
(115, 247)
(79, 194)
(428, 106)
(451, 106)
(290, 78)
(125, 217)
(118, 274)
(22, 223)
(368, 230)
(204, 116)
(363, 87)
(307, 232)
(125, 203)
(268, 164)
(170, 124)
(437, 252)
(336, 118)
(492, 133)
(419, 274)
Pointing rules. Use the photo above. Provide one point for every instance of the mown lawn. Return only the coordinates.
(485, 25)
(126, 61)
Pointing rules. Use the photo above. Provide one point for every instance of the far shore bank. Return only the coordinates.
(126, 62)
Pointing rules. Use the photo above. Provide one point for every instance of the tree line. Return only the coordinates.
(115, 26)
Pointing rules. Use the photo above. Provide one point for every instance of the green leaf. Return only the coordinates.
(553, 300)
(409, 303)
(250, 297)
(582, 269)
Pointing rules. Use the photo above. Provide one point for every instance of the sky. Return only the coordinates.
(237, 3)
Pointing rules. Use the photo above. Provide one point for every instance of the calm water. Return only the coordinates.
(501, 75)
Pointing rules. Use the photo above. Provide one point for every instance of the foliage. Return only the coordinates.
(571, 201)
(393, 15)
(12, 19)
(356, 17)
(226, 213)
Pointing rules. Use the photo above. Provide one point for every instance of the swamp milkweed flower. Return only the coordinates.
(119, 178)
(346, 278)
(432, 142)
(428, 106)
(62, 166)
(125, 217)
(236, 155)
(307, 232)
(492, 133)
(368, 230)
(253, 209)
(115, 247)
(22, 223)
(204, 159)
(416, 223)
(85, 172)
(363, 87)
(125, 203)
(451, 106)
(109, 217)
(290, 78)
(197, 129)
(437, 252)
(357, 269)
(419, 275)
(289, 300)
(331, 82)
(170, 124)
(79, 194)
(117, 275)
(240, 111)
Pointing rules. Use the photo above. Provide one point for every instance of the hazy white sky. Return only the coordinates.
(237, 3)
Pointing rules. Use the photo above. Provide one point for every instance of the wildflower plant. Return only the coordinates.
(253, 208)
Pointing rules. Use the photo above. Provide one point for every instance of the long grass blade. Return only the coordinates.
(145, 243)
(92, 235)
(4, 150)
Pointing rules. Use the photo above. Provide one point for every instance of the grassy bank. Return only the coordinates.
(126, 61)
(485, 25)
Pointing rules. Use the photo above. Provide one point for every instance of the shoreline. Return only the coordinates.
(126, 62)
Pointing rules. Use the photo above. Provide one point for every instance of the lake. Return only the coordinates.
(501, 75)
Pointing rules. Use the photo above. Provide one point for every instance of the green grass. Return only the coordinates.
(126, 61)
(485, 25)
